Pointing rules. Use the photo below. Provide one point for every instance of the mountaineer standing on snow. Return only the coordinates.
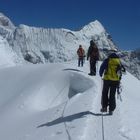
(93, 54)
(81, 55)
(111, 68)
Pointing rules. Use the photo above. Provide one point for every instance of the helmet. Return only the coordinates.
(92, 42)
(113, 50)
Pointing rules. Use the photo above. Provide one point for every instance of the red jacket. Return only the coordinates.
(81, 52)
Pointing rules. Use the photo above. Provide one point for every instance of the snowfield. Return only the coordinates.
(61, 102)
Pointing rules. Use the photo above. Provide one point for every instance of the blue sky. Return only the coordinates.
(121, 18)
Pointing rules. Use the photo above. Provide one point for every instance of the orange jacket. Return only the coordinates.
(81, 52)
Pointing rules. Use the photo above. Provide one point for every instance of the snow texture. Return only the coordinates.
(60, 101)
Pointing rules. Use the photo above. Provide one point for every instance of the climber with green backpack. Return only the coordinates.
(111, 71)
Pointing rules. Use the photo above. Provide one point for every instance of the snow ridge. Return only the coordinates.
(40, 45)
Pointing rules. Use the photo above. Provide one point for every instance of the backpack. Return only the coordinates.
(93, 52)
(81, 52)
(111, 72)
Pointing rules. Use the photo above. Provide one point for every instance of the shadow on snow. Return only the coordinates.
(71, 118)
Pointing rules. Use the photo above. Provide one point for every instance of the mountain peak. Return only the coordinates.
(1, 14)
(95, 27)
(6, 22)
(96, 22)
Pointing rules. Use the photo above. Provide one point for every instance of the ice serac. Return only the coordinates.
(39, 45)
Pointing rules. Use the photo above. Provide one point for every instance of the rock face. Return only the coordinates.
(132, 62)
(40, 45)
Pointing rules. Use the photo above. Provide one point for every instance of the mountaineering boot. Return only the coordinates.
(103, 110)
(91, 74)
(110, 112)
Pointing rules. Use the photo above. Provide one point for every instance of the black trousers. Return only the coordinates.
(80, 61)
(93, 66)
(108, 94)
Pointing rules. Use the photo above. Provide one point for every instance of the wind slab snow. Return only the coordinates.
(58, 102)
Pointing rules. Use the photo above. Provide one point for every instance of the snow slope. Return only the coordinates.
(7, 56)
(55, 101)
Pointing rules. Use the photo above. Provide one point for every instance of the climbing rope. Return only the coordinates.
(65, 104)
(58, 95)
(103, 127)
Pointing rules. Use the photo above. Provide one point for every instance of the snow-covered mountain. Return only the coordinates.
(55, 45)
(40, 45)
(61, 101)
(132, 61)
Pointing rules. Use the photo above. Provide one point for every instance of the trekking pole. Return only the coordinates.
(119, 97)
(97, 66)
(102, 112)
(119, 90)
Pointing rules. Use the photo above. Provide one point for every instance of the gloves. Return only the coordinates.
(101, 75)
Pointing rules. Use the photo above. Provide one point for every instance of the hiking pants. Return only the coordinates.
(93, 66)
(80, 61)
(108, 94)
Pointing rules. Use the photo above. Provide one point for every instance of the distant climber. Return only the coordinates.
(111, 71)
(93, 54)
(81, 55)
